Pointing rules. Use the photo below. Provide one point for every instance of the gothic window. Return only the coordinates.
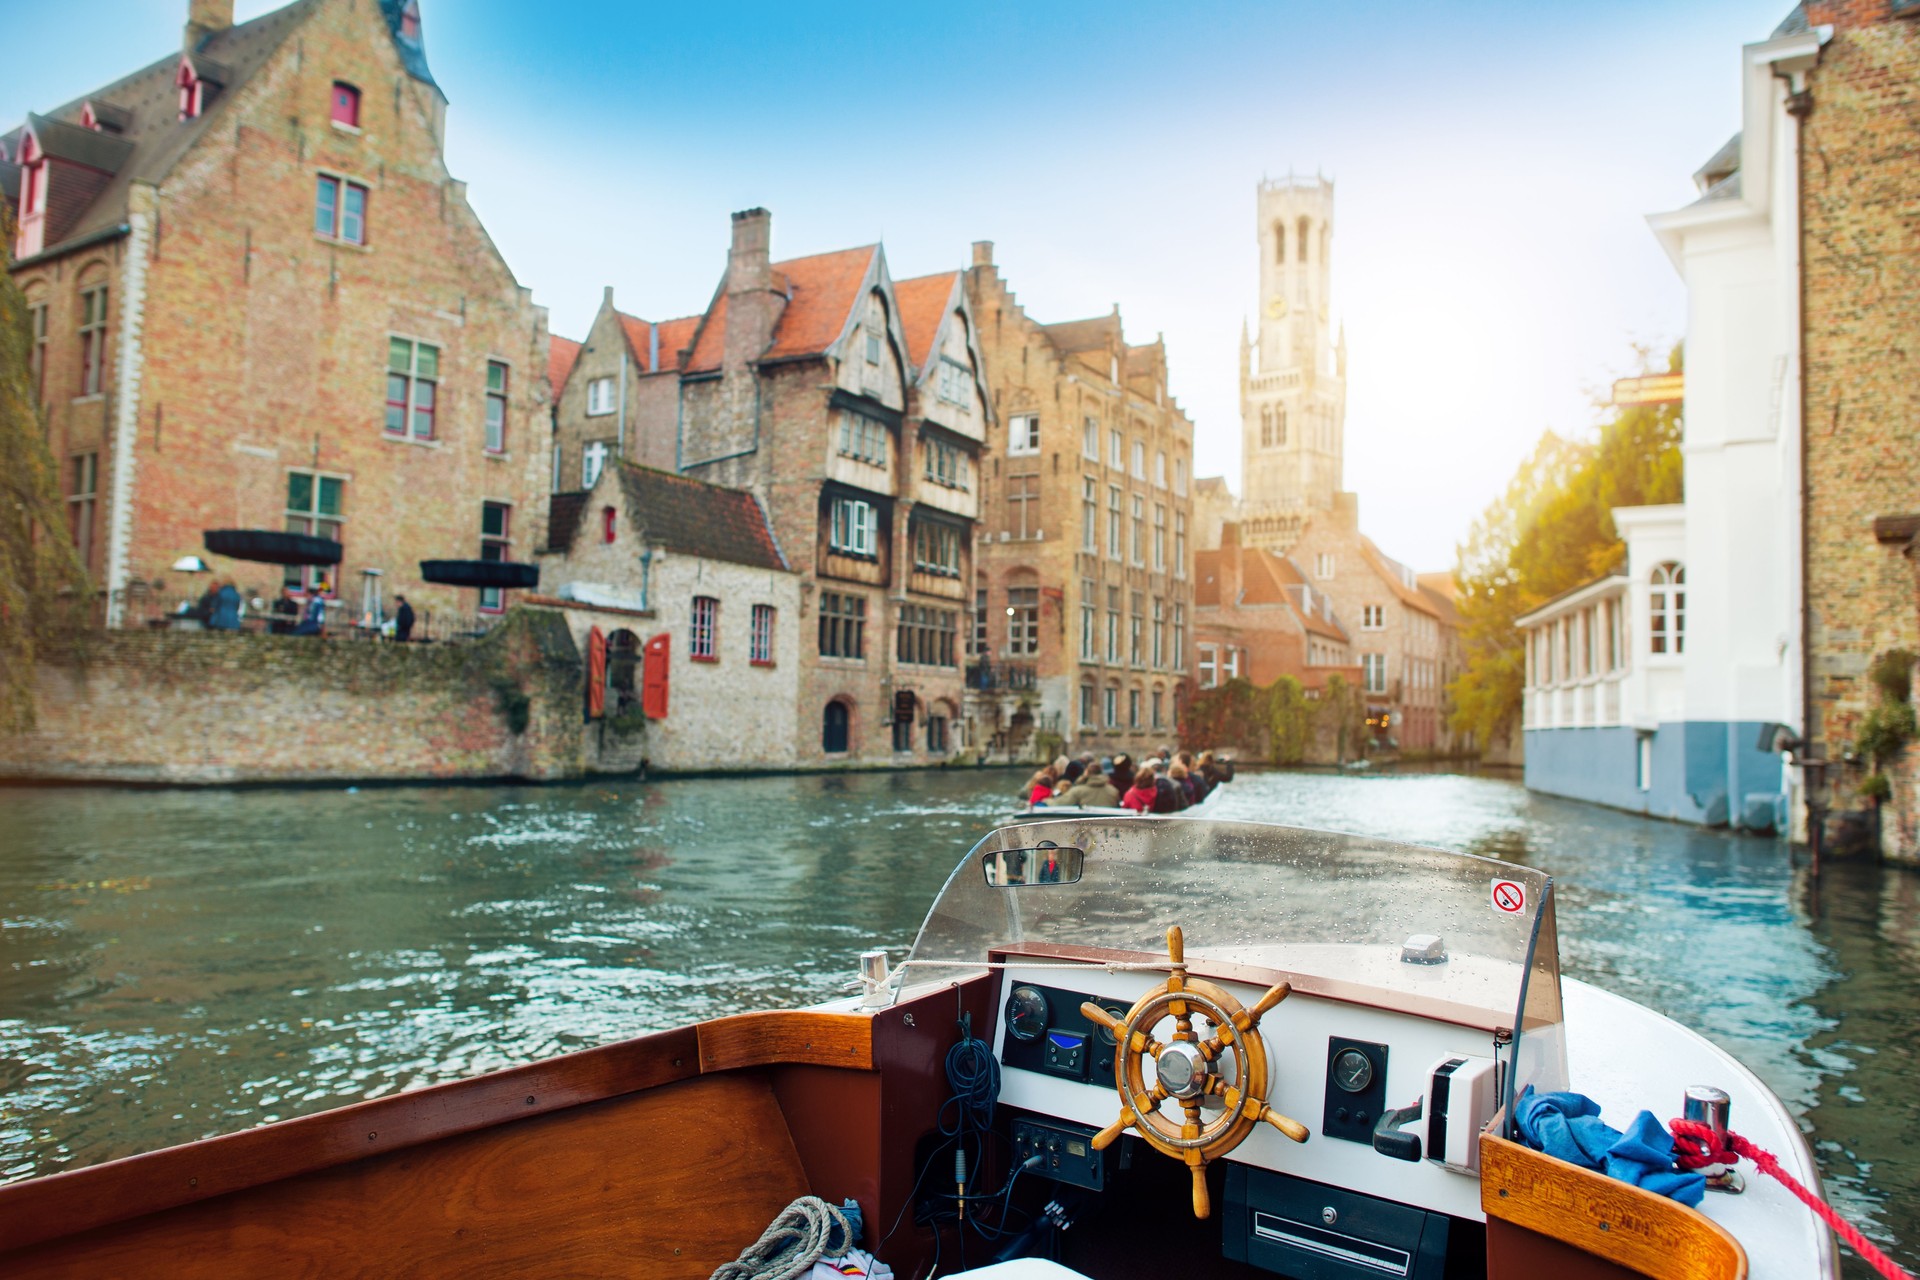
(1667, 609)
(1280, 243)
(1280, 426)
(1266, 426)
(1300, 241)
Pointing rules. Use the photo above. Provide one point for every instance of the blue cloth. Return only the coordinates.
(1568, 1127)
(226, 610)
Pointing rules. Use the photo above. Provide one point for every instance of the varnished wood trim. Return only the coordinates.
(787, 1036)
(1306, 984)
(1609, 1219)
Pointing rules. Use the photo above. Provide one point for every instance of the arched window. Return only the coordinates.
(1280, 243)
(1301, 240)
(1266, 426)
(1667, 609)
(1280, 426)
(834, 728)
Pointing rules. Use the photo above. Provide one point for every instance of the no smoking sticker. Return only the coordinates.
(1509, 899)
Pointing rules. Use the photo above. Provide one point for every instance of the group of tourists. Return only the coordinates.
(1166, 781)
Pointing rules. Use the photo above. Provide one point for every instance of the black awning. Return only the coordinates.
(480, 573)
(271, 546)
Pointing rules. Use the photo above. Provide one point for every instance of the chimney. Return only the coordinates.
(983, 253)
(752, 306)
(749, 264)
(204, 18)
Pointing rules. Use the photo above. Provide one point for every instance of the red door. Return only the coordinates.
(653, 685)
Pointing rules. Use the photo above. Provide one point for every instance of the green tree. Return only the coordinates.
(1550, 532)
(1289, 720)
(1343, 708)
(43, 587)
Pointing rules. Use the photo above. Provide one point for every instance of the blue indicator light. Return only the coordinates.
(1065, 1039)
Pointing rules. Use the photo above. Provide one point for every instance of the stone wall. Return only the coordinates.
(203, 708)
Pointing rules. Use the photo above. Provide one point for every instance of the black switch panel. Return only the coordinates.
(1356, 1089)
(1065, 1150)
(1070, 1046)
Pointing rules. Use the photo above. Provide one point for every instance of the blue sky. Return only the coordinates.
(1494, 163)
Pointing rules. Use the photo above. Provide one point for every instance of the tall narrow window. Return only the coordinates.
(1179, 544)
(1113, 522)
(834, 728)
(1667, 609)
(703, 640)
(1023, 621)
(1113, 624)
(599, 397)
(876, 326)
(340, 210)
(496, 407)
(37, 352)
(593, 459)
(1139, 460)
(82, 494)
(760, 640)
(1180, 476)
(1159, 538)
(1090, 439)
(1136, 628)
(346, 104)
(494, 545)
(315, 505)
(1113, 706)
(980, 622)
(1179, 637)
(1086, 706)
(93, 339)
(413, 380)
(1160, 470)
(1159, 632)
(1209, 666)
(1089, 624)
(1139, 530)
(1116, 451)
(1089, 515)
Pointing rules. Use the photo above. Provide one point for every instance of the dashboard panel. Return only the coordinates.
(1336, 1067)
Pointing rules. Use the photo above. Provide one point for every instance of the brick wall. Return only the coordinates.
(1860, 171)
(198, 708)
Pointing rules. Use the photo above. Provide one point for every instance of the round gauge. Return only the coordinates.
(1352, 1070)
(1026, 1014)
(1118, 1015)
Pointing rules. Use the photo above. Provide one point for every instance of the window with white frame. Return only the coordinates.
(1023, 434)
(1373, 617)
(1160, 469)
(1113, 706)
(1373, 671)
(1139, 460)
(1667, 609)
(1159, 632)
(760, 638)
(1179, 544)
(1089, 622)
(703, 639)
(1116, 451)
(1089, 515)
(854, 528)
(1179, 637)
(936, 548)
(496, 406)
(1113, 624)
(1230, 663)
(1180, 476)
(315, 505)
(1023, 621)
(1139, 530)
(593, 460)
(1159, 537)
(956, 382)
(946, 464)
(599, 397)
(863, 439)
(1323, 564)
(1114, 520)
(1090, 439)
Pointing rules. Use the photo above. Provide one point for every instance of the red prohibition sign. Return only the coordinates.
(1509, 897)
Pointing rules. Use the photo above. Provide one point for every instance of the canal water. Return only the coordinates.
(175, 964)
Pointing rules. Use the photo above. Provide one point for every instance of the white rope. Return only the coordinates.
(792, 1243)
(899, 972)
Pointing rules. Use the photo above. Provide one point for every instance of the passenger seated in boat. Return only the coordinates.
(1121, 774)
(1092, 791)
(1140, 795)
(1199, 786)
(1170, 790)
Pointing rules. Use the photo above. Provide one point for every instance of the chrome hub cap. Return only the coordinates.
(1182, 1070)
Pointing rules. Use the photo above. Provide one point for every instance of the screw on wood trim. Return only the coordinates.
(679, 1062)
(193, 1182)
(529, 1099)
(1503, 1193)
(373, 1135)
(1606, 1226)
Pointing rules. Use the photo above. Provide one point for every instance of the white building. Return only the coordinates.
(1705, 622)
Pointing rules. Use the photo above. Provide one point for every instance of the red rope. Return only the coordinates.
(1693, 1149)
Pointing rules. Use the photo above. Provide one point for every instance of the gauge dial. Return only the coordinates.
(1352, 1070)
(1026, 1014)
(1118, 1015)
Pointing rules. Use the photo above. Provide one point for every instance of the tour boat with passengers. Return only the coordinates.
(1120, 1047)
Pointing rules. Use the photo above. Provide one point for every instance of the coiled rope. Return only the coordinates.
(1693, 1148)
(806, 1231)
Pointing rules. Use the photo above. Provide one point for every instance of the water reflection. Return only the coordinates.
(176, 964)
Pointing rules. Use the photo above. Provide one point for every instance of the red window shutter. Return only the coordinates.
(596, 674)
(608, 523)
(653, 684)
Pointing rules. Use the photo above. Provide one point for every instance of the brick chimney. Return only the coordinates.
(1231, 576)
(204, 17)
(752, 306)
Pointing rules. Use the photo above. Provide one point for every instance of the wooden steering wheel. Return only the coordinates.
(1186, 1068)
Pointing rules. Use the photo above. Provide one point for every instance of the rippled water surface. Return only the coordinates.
(175, 964)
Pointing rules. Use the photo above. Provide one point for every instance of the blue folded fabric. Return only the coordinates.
(1568, 1127)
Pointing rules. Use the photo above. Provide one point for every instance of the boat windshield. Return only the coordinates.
(1453, 936)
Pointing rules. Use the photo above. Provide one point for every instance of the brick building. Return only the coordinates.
(1398, 636)
(854, 411)
(259, 301)
(1859, 167)
(627, 374)
(688, 572)
(1257, 616)
(1084, 590)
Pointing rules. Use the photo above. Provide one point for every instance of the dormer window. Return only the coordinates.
(31, 236)
(103, 117)
(88, 120)
(410, 22)
(346, 105)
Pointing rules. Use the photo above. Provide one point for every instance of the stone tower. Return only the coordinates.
(1293, 374)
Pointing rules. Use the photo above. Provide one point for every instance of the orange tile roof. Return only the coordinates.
(923, 305)
(821, 293)
(674, 335)
(1389, 572)
(561, 353)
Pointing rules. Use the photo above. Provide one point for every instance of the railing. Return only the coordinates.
(1014, 676)
(146, 610)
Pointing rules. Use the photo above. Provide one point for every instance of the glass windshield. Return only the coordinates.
(1439, 934)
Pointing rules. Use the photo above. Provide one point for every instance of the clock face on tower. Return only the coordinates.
(1276, 307)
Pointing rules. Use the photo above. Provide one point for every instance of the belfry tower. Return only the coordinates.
(1293, 375)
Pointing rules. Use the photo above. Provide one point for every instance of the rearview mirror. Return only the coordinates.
(1046, 863)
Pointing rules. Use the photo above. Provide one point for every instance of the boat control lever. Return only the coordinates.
(1389, 1140)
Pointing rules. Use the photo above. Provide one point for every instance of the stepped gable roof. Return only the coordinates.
(561, 355)
(1389, 571)
(699, 519)
(820, 293)
(1070, 336)
(923, 303)
(563, 520)
(155, 137)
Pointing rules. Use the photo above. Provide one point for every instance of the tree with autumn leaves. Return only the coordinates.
(1550, 532)
(44, 595)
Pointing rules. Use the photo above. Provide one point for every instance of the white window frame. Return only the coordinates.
(1373, 617)
(1209, 666)
(854, 528)
(1323, 564)
(593, 460)
(600, 397)
(1090, 439)
(1023, 434)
